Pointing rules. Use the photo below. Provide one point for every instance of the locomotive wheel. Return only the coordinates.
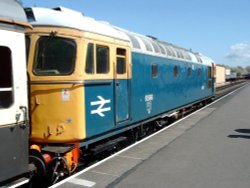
(58, 169)
(39, 171)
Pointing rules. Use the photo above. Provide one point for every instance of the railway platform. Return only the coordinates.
(209, 148)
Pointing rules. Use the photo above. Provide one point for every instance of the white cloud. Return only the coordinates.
(239, 54)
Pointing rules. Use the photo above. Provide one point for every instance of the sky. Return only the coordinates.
(219, 29)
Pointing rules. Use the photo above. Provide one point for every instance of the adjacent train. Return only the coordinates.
(91, 83)
(14, 126)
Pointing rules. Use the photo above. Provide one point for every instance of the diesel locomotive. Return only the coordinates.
(14, 126)
(92, 82)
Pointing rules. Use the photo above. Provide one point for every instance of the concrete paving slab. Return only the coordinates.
(117, 166)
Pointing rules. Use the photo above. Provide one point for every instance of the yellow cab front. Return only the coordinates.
(56, 85)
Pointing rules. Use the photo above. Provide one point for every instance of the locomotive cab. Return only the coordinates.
(78, 79)
(56, 85)
(70, 77)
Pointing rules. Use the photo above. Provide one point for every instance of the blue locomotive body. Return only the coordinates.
(158, 86)
(175, 84)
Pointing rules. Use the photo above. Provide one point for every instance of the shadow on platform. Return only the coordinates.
(246, 134)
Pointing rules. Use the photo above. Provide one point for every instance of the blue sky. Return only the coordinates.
(219, 29)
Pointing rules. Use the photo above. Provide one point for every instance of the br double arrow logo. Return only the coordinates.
(100, 109)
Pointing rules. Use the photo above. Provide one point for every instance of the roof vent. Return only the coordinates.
(30, 15)
(71, 11)
(152, 37)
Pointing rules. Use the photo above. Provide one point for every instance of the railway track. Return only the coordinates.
(220, 92)
(227, 88)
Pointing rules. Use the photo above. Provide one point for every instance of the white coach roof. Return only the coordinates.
(12, 10)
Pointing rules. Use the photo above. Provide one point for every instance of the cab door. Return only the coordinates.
(122, 86)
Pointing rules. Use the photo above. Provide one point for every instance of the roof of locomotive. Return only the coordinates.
(63, 17)
(11, 10)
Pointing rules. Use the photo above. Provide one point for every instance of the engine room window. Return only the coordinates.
(6, 80)
(154, 71)
(120, 61)
(209, 84)
(199, 71)
(90, 59)
(55, 56)
(189, 71)
(102, 59)
(175, 71)
(209, 72)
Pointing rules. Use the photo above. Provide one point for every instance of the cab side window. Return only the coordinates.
(90, 59)
(97, 59)
(102, 59)
(120, 61)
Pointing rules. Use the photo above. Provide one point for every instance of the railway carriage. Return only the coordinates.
(14, 129)
(91, 81)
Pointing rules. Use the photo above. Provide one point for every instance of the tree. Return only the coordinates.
(248, 69)
(238, 70)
